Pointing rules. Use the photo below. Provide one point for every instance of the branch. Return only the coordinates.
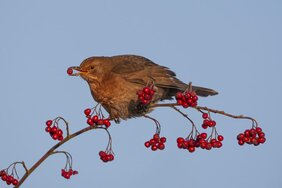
(201, 108)
(50, 152)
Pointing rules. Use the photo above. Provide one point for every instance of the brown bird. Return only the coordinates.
(114, 81)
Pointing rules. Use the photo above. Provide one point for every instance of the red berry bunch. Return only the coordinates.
(9, 179)
(68, 173)
(146, 94)
(187, 99)
(156, 142)
(53, 129)
(207, 122)
(106, 156)
(201, 141)
(253, 136)
(94, 120)
(69, 71)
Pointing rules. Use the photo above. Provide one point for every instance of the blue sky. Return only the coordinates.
(231, 46)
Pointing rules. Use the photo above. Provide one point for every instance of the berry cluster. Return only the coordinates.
(53, 129)
(187, 99)
(201, 141)
(207, 122)
(68, 173)
(9, 179)
(96, 120)
(156, 142)
(253, 136)
(106, 156)
(146, 94)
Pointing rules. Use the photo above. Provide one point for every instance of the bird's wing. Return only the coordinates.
(141, 70)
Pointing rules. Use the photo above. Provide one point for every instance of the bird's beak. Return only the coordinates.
(79, 70)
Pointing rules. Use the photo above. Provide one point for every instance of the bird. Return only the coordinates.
(114, 81)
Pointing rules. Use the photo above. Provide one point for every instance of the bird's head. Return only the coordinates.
(91, 69)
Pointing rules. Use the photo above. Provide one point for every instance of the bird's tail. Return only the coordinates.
(204, 92)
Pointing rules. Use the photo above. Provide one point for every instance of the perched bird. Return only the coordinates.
(114, 81)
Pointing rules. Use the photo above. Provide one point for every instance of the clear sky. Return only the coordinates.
(234, 47)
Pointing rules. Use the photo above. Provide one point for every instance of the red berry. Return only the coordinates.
(60, 138)
(203, 145)
(148, 97)
(241, 142)
(187, 95)
(48, 129)
(60, 132)
(258, 129)
(191, 149)
(67, 176)
(178, 95)
(4, 177)
(185, 105)
(204, 135)
(253, 132)
(191, 142)
(185, 144)
(247, 133)
(95, 119)
(10, 179)
(90, 122)
(100, 122)
(180, 140)
(209, 146)
(161, 146)
(219, 144)
(204, 126)
(55, 136)
(2, 172)
(205, 115)
(87, 111)
(240, 136)
(110, 157)
(153, 141)
(163, 139)
(261, 140)
(49, 123)
(104, 158)
(146, 90)
(195, 98)
(220, 137)
(190, 102)
(54, 129)
(179, 102)
(180, 145)
(70, 71)
(106, 122)
(75, 172)
(147, 144)
(154, 147)
(213, 123)
(15, 182)
(261, 135)
(156, 137)
(102, 153)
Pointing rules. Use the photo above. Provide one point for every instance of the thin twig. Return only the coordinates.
(24, 166)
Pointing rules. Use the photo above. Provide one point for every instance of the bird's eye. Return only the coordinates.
(91, 67)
